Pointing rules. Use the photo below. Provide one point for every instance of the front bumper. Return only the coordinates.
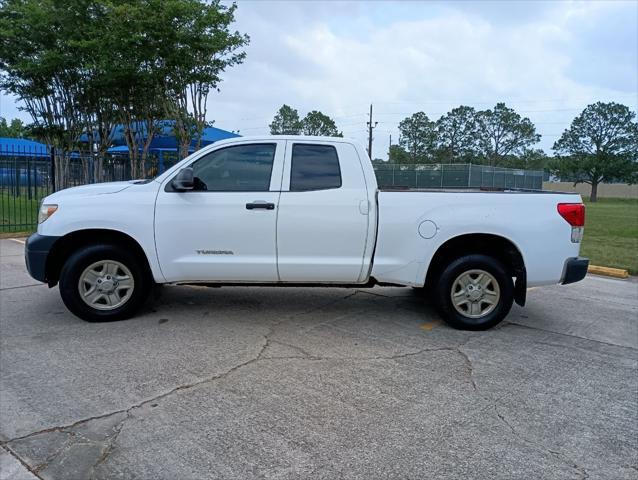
(36, 252)
(575, 269)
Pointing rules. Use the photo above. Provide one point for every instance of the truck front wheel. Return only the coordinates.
(474, 292)
(102, 283)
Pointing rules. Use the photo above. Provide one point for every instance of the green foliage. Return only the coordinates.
(39, 59)
(457, 135)
(15, 129)
(398, 155)
(286, 122)
(316, 123)
(529, 159)
(418, 137)
(203, 46)
(499, 137)
(502, 132)
(601, 145)
(83, 65)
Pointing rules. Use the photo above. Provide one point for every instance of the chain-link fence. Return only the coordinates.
(456, 176)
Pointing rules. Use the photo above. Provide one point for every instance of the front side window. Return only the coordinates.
(241, 168)
(314, 167)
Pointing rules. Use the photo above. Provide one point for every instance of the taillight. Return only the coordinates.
(574, 213)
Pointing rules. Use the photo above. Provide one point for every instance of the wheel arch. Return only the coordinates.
(69, 243)
(496, 246)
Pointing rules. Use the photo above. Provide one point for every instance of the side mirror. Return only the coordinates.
(184, 180)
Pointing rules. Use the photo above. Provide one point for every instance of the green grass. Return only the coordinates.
(611, 233)
(18, 213)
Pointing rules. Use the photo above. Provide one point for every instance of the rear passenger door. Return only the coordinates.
(322, 221)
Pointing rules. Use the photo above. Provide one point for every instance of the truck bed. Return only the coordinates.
(472, 190)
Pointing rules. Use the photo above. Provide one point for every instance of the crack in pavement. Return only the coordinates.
(375, 357)
(65, 446)
(110, 442)
(514, 324)
(107, 450)
(60, 428)
(468, 364)
(540, 447)
(109, 447)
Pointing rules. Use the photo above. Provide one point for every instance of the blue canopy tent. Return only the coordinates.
(164, 136)
(21, 147)
(164, 141)
(22, 163)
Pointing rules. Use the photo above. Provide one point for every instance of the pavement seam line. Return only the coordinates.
(7, 449)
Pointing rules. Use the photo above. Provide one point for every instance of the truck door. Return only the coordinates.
(323, 215)
(224, 229)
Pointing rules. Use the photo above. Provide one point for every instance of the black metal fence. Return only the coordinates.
(27, 177)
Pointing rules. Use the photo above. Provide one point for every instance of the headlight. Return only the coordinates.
(46, 211)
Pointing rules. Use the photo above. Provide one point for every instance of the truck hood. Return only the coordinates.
(89, 190)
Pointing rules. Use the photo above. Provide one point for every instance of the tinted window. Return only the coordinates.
(314, 167)
(244, 168)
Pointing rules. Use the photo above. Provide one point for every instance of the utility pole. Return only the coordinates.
(370, 127)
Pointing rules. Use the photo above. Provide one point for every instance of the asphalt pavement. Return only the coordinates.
(285, 383)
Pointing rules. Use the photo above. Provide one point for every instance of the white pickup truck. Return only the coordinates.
(301, 211)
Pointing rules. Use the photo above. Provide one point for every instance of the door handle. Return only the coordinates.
(260, 204)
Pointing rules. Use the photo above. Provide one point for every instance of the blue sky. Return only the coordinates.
(546, 59)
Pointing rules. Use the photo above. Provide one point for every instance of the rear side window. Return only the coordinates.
(314, 167)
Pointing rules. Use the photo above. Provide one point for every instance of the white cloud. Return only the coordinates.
(546, 59)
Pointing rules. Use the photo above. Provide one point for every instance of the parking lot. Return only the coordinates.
(317, 383)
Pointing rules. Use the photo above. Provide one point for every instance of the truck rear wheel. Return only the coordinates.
(102, 283)
(474, 292)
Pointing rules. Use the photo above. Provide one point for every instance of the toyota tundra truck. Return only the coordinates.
(302, 211)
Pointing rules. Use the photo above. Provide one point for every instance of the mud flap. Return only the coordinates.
(520, 287)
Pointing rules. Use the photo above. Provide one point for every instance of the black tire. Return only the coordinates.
(76, 264)
(446, 282)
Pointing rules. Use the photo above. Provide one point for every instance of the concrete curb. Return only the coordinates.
(4, 236)
(608, 271)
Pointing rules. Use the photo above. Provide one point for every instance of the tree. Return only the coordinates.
(398, 155)
(418, 137)
(316, 123)
(601, 145)
(458, 135)
(81, 66)
(39, 60)
(202, 47)
(15, 129)
(286, 122)
(504, 132)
